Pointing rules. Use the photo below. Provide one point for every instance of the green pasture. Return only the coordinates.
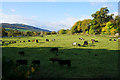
(84, 62)
(22, 30)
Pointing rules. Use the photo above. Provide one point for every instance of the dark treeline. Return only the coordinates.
(15, 33)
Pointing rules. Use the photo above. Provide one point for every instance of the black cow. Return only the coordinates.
(47, 39)
(110, 39)
(36, 41)
(96, 55)
(10, 42)
(3, 42)
(78, 44)
(54, 49)
(114, 39)
(65, 62)
(36, 62)
(22, 53)
(20, 41)
(54, 59)
(23, 41)
(85, 43)
(21, 62)
(96, 40)
(28, 40)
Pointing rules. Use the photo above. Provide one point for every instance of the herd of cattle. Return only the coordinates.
(10, 42)
(85, 42)
(37, 62)
(54, 59)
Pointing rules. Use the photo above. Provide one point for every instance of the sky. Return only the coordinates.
(51, 15)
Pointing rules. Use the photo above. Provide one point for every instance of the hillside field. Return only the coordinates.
(84, 62)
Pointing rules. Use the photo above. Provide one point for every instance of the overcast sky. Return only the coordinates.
(51, 15)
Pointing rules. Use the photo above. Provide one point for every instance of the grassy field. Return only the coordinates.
(22, 30)
(84, 62)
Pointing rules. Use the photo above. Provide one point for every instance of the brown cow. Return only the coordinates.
(33, 40)
(54, 59)
(65, 62)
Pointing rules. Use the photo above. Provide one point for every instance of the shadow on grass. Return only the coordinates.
(86, 63)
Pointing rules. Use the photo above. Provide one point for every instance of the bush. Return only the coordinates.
(91, 31)
(87, 32)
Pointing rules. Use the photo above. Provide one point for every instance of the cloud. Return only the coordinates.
(1, 10)
(66, 23)
(33, 16)
(12, 10)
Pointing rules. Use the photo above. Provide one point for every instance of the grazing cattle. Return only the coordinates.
(74, 44)
(47, 39)
(95, 54)
(21, 62)
(53, 39)
(96, 40)
(54, 49)
(78, 44)
(81, 38)
(36, 41)
(41, 35)
(54, 59)
(110, 39)
(36, 62)
(13, 41)
(93, 40)
(65, 62)
(114, 39)
(85, 43)
(22, 53)
(10, 42)
(3, 42)
(20, 41)
(33, 40)
(28, 40)
(23, 41)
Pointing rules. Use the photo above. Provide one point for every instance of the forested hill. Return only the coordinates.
(22, 27)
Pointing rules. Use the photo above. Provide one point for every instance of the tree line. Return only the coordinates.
(15, 33)
(102, 23)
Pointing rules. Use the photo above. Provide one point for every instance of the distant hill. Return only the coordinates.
(22, 27)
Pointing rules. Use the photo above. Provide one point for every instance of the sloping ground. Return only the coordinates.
(22, 27)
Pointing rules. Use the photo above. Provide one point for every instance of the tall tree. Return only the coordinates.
(101, 17)
(85, 25)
